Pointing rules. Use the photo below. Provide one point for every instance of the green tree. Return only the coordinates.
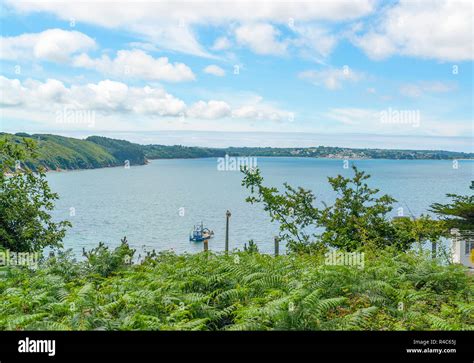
(459, 213)
(356, 217)
(252, 247)
(26, 201)
(293, 210)
(409, 231)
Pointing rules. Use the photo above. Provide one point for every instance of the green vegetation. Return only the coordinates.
(181, 152)
(178, 151)
(239, 291)
(25, 202)
(459, 213)
(121, 150)
(66, 153)
(351, 153)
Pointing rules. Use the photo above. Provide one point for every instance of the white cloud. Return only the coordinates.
(315, 41)
(169, 24)
(172, 25)
(221, 43)
(138, 64)
(331, 78)
(420, 88)
(247, 109)
(171, 35)
(157, 102)
(253, 109)
(261, 38)
(256, 109)
(256, 113)
(12, 91)
(440, 30)
(371, 121)
(53, 45)
(376, 46)
(214, 70)
(197, 12)
(106, 96)
(53, 90)
(32, 98)
(209, 110)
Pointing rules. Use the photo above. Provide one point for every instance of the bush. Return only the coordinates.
(104, 262)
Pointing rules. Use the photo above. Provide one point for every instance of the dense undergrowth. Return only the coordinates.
(239, 291)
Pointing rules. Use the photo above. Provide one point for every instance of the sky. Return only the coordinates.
(362, 73)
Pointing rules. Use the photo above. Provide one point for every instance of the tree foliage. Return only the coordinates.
(26, 201)
(358, 217)
(459, 213)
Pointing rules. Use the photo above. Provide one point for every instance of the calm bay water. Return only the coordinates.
(156, 205)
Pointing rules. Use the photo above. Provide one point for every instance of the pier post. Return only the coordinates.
(227, 214)
(277, 246)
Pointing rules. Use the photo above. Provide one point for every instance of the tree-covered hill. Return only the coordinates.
(332, 152)
(65, 153)
(181, 152)
(121, 150)
(57, 152)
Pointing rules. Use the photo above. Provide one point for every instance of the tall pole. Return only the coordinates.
(227, 214)
(277, 246)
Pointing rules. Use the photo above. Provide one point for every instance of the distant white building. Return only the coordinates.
(463, 248)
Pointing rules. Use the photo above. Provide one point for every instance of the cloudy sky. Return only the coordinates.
(351, 72)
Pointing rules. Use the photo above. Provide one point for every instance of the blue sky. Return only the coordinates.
(379, 70)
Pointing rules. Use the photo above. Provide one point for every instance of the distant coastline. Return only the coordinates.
(60, 153)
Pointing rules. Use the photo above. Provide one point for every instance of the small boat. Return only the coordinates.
(200, 233)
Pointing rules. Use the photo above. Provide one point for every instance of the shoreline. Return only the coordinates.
(149, 161)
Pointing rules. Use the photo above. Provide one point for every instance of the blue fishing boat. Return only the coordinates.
(200, 233)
